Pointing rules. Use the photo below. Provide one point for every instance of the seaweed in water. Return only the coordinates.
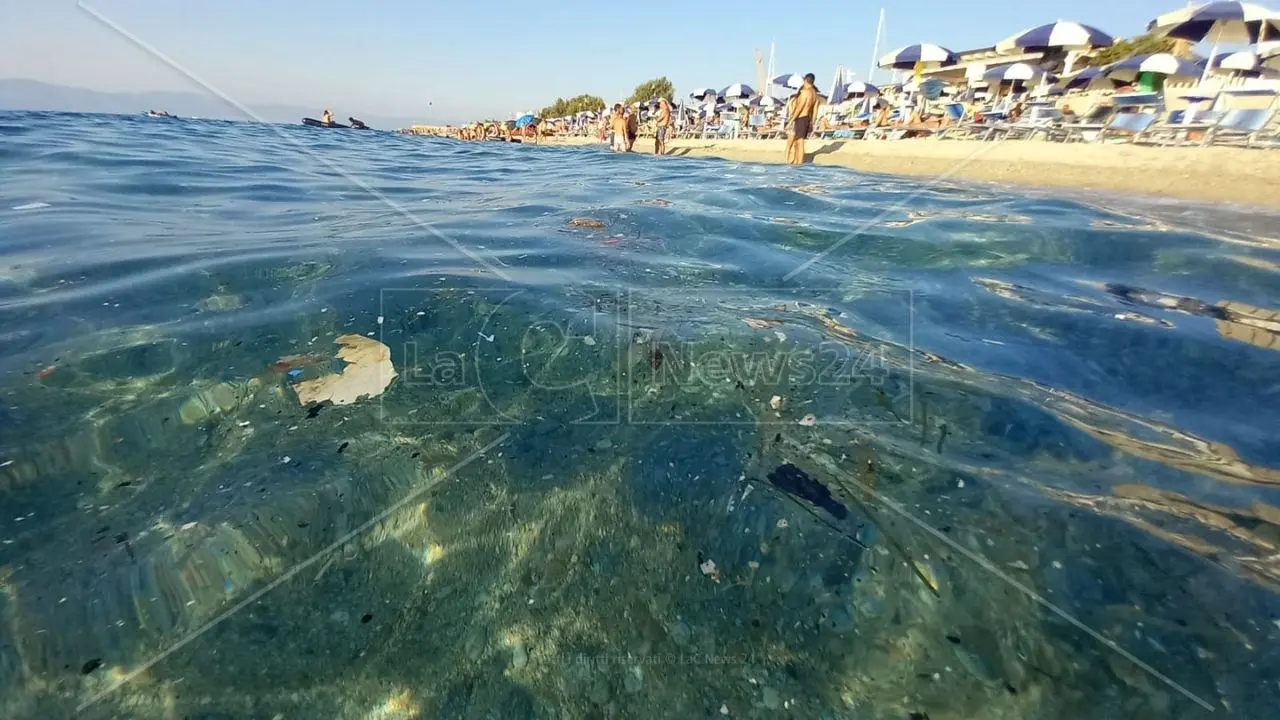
(794, 481)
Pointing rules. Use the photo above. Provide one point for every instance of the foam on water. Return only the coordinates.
(1048, 424)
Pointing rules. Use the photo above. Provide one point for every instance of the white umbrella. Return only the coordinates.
(1269, 54)
(1158, 63)
(1013, 72)
(927, 54)
(1230, 22)
(737, 90)
(1063, 34)
(790, 80)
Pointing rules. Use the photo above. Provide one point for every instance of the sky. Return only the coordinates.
(459, 61)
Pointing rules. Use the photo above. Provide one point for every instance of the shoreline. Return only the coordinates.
(1246, 176)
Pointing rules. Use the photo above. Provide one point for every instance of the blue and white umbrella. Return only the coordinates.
(1229, 22)
(1243, 62)
(737, 90)
(790, 80)
(1013, 72)
(1269, 53)
(702, 93)
(1089, 79)
(857, 89)
(766, 103)
(526, 119)
(1158, 63)
(926, 54)
(1059, 35)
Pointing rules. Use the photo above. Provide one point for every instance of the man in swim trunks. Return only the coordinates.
(664, 121)
(618, 125)
(633, 127)
(803, 109)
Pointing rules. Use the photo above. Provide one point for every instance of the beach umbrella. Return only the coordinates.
(1061, 35)
(1229, 22)
(1157, 63)
(790, 80)
(1244, 62)
(766, 103)
(1269, 54)
(737, 90)
(702, 93)
(926, 54)
(857, 89)
(1013, 72)
(1089, 79)
(525, 119)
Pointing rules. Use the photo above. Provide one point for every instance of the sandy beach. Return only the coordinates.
(1209, 174)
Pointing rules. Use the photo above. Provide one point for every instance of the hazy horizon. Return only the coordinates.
(450, 63)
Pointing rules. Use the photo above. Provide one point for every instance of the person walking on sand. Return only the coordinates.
(801, 111)
(664, 121)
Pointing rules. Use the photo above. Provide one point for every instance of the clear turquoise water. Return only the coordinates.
(1022, 395)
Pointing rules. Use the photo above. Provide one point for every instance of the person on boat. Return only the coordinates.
(357, 124)
(327, 117)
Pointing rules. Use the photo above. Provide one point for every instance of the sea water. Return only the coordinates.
(666, 437)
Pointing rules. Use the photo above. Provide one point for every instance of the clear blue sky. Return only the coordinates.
(461, 60)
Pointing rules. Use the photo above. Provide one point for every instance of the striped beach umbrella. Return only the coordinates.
(1243, 62)
(857, 89)
(926, 54)
(702, 93)
(790, 80)
(1157, 63)
(1269, 53)
(1089, 79)
(1013, 72)
(1059, 35)
(766, 103)
(737, 90)
(1229, 22)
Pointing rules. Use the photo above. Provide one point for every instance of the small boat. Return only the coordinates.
(319, 123)
(161, 114)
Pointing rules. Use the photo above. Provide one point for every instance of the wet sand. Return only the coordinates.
(1210, 174)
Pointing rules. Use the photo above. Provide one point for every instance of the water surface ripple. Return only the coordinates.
(1078, 395)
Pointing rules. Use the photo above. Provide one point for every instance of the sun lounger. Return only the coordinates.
(1241, 127)
(1131, 125)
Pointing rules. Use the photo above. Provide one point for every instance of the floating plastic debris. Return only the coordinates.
(367, 374)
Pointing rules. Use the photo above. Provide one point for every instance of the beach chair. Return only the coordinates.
(1130, 125)
(1178, 126)
(1241, 127)
(1039, 118)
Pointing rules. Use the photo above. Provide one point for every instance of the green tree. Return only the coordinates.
(655, 88)
(1140, 45)
(562, 107)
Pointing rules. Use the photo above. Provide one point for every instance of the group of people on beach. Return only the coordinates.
(622, 125)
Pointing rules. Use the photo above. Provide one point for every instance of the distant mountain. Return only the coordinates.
(18, 94)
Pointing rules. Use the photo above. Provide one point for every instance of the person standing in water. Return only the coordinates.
(802, 109)
(664, 122)
(618, 125)
(633, 127)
